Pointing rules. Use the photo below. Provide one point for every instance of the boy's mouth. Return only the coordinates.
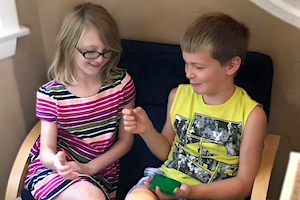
(195, 84)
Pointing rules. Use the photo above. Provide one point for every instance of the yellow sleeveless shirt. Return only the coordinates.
(206, 147)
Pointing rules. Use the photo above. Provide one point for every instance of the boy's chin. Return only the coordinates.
(198, 91)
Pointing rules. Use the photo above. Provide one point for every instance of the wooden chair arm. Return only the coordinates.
(19, 169)
(261, 182)
(291, 183)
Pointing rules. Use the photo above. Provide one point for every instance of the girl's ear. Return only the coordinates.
(234, 64)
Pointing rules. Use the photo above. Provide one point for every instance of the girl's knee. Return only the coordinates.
(95, 196)
(82, 190)
(91, 192)
(141, 193)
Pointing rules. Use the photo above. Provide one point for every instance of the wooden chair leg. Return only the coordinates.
(20, 167)
(261, 183)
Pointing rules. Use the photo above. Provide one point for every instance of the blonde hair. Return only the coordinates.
(85, 17)
(224, 37)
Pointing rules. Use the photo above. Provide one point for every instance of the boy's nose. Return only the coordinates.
(188, 72)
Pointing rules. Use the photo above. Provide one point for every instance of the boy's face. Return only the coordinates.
(205, 73)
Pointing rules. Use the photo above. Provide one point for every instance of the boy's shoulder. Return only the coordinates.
(185, 86)
(244, 94)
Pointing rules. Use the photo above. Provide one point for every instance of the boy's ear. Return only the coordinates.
(234, 64)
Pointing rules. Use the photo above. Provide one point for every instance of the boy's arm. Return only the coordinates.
(250, 156)
(160, 144)
(137, 121)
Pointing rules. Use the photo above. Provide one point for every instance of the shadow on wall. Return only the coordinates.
(286, 145)
(30, 61)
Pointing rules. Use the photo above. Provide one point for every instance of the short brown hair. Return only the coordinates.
(219, 33)
(85, 17)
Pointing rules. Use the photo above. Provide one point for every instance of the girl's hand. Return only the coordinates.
(81, 168)
(181, 192)
(63, 168)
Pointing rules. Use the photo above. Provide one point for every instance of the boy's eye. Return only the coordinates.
(198, 67)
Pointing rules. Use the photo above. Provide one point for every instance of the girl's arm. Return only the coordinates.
(116, 151)
(250, 155)
(48, 143)
(48, 155)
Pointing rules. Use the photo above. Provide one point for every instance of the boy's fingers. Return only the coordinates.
(127, 111)
(129, 117)
(147, 182)
(129, 123)
(129, 128)
(158, 192)
(139, 110)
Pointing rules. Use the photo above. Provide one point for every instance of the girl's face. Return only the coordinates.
(205, 73)
(89, 68)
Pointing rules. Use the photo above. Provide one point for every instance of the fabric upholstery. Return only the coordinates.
(156, 69)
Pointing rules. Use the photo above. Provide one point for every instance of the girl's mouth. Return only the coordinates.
(96, 66)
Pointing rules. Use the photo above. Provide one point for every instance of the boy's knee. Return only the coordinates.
(141, 193)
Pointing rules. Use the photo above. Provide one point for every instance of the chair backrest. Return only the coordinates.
(156, 69)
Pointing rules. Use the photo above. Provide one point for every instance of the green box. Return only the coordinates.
(166, 185)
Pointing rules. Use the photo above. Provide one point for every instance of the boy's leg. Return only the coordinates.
(81, 190)
(141, 192)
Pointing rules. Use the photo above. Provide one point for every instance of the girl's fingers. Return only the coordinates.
(70, 175)
(61, 157)
(63, 168)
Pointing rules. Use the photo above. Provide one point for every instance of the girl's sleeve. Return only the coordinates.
(128, 89)
(46, 105)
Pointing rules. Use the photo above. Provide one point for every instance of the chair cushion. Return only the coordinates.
(156, 69)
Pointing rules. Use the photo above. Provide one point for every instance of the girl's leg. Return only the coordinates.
(82, 190)
(141, 192)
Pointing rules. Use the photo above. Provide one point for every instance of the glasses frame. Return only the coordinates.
(99, 54)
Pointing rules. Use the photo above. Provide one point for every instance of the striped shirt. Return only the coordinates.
(87, 128)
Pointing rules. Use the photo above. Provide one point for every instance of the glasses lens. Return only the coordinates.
(91, 55)
(109, 54)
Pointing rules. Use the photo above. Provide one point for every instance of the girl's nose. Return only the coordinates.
(100, 59)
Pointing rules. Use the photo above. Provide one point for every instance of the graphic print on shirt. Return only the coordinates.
(208, 148)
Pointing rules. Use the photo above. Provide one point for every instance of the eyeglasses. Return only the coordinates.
(95, 54)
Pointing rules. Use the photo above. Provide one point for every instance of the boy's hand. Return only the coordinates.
(63, 168)
(135, 120)
(181, 192)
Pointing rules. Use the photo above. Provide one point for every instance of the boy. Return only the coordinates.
(213, 136)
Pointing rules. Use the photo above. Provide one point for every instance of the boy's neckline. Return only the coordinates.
(217, 106)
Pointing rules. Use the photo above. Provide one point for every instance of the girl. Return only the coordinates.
(82, 133)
